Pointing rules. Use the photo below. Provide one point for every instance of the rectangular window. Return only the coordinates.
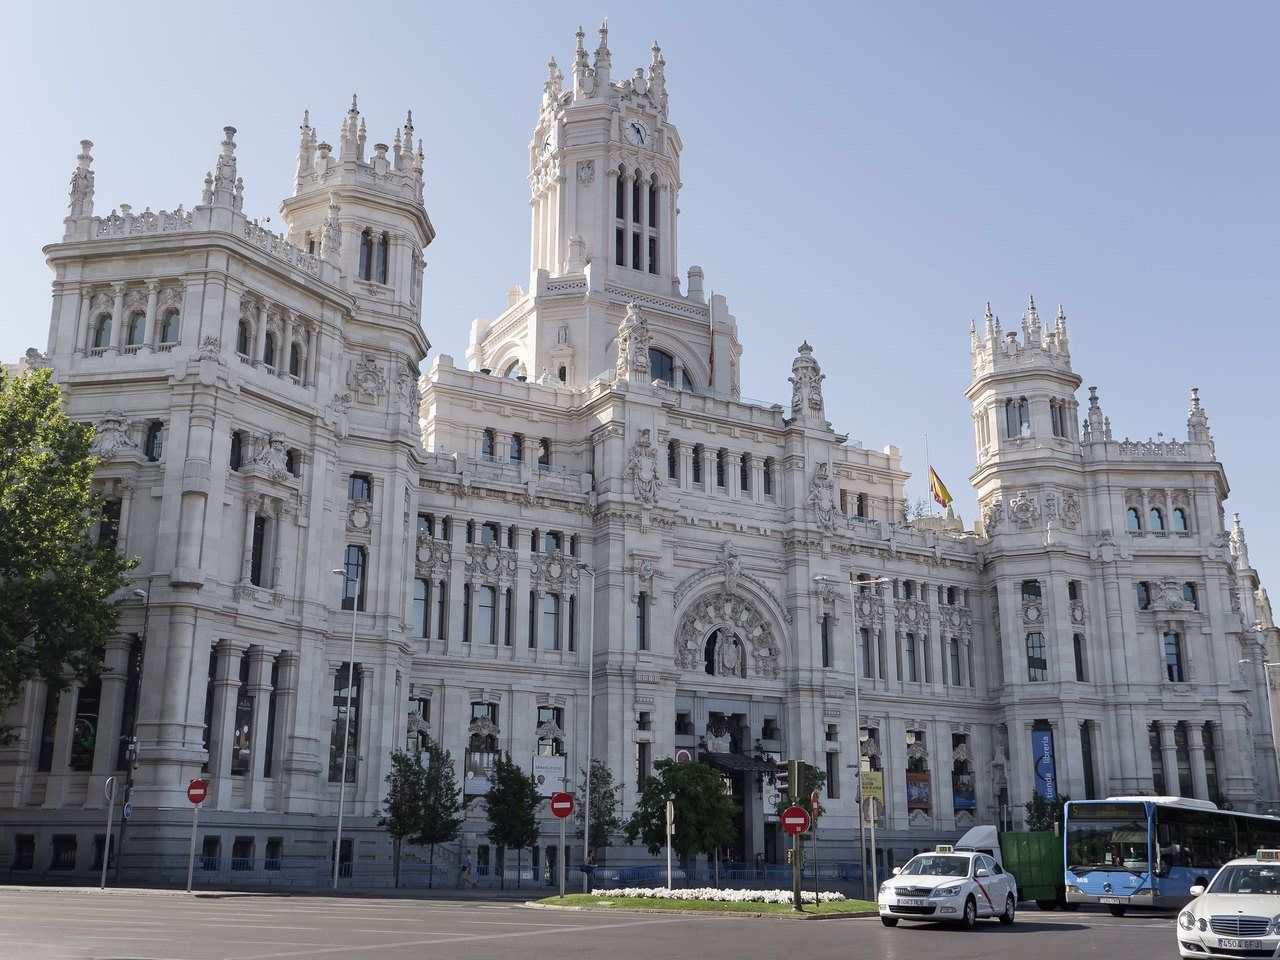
(242, 853)
(954, 648)
(442, 610)
(620, 243)
(644, 750)
(1030, 590)
(635, 252)
(489, 534)
(572, 625)
(769, 729)
(552, 541)
(129, 709)
(338, 726)
(864, 652)
(550, 621)
(653, 254)
(359, 486)
(353, 582)
(833, 775)
(1073, 589)
(84, 733)
(208, 708)
(24, 851)
(926, 659)
(508, 606)
(211, 852)
(1077, 645)
(1157, 760)
(1174, 667)
(882, 661)
(486, 615)
(466, 613)
(421, 608)
(426, 525)
(1037, 664)
(825, 630)
(64, 852)
(968, 661)
(533, 619)
(551, 746)
(860, 505)
(109, 523)
(269, 747)
(642, 621)
(257, 550)
(912, 674)
(275, 853)
(482, 860)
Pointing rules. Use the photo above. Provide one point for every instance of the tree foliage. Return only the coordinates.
(513, 802)
(443, 809)
(1041, 814)
(59, 588)
(403, 810)
(605, 822)
(704, 813)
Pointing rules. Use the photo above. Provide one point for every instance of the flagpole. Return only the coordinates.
(928, 477)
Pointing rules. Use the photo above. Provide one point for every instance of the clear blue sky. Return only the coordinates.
(863, 175)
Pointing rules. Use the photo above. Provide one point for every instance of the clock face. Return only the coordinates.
(637, 131)
(545, 149)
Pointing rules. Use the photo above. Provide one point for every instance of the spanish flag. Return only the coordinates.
(938, 488)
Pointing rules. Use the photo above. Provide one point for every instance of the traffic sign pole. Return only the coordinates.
(110, 789)
(196, 792)
(671, 823)
(793, 776)
(562, 863)
(562, 807)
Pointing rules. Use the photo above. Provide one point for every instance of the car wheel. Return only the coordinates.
(1006, 918)
(1116, 910)
(970, 918)
(889, 921)
(1046, 904)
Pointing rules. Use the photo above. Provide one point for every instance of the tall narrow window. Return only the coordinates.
(1086, 760)
(1211, 763)
(365, 267)
(767, 477)
(653, 254)
(486, 615)
(571, 628)
(258, 550)
(1156, 519)
(236, 460)
(242, 730)
(635, 252)
(382, 256)
(421, 607)
(109, 523)
(673, 459)
(825, 637)
(466, 613)
(1024, 418)
(1010, 419)
(653, 203)
(442, 609)
(269, 350)
(1030, 590)
(1190, 596)
(169, 327)
(338, 726)
(1179, 520)
(744, 473)
(1157, 760)
(153, 448)
(1037, 664)
(133, 334)
(533, 618)
(550, 621)
(353, 587)
(242, 338)
(619, 247)
(102, 332)
(85, 728)
(953, 657)
(620, 195)
(295, 360)
(721, 457)
(517, 448)
(488, 440)
(911, 656)
(642, 621)
(697, 463)
(1077, 645)
(635, 200)
(544, 453)
(1174, 667)
(1143, 590)
(860, 506)
(508, 607)
(662, 366)
(864, 653)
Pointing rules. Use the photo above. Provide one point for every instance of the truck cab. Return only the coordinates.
(984, 839)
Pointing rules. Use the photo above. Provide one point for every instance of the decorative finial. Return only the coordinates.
(990, 315)
(355, 110)
(1195, 398)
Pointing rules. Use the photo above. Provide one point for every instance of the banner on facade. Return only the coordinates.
(548, 773)
(475, 782)
(962, 792)
(918, 793)
(872, 788)
(1046, 774)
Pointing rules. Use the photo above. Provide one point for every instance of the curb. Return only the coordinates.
(720, 914)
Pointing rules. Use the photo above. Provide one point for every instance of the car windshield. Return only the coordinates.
(1115, 842)
(935, 866)
(1248, 879)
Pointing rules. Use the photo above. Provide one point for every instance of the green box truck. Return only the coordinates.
(1034, 859)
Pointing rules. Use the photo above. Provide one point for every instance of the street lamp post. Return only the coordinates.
(591, 672)
(857, 722)
(131, 751)
(346, 733)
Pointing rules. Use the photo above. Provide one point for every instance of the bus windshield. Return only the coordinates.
(1109, 836)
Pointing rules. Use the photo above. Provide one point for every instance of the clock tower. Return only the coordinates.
(604, 168)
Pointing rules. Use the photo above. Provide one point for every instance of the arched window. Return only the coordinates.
(242, 338)
(488, 440)
(382, 256)
(1179, 520)
(154, 446)
(1132, 520)
(544, 452)
(365, 266)
(169, 327)
(137, 324)
(724, 656)
(514, 370)
(1156, 518)
(269, 350)
(102, 331)
(295, 359)
(673, 459)
(662, 366)
(353, 583)
(517, 448)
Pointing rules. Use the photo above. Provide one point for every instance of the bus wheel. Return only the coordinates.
(1116, 910)
(1047, 904)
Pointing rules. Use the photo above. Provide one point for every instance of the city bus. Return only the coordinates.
(1150, 851)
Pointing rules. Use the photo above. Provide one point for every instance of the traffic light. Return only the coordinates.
(782, 777)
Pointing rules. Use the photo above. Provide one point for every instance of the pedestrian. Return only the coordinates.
(466, 875)
(589, 868)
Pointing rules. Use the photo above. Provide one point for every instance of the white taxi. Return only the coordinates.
(1238, 915)
(951, 885)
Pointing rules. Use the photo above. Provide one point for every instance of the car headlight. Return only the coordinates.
(1186, 920)
(884, 888)
(1202, 924)
(1275, 926)
(951, 891)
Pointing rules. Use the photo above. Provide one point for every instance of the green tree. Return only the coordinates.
(704, 813)
(1041, 814)
(513, 802)
(59, 587)
(442, 813)
(403, 812)
(605, 822)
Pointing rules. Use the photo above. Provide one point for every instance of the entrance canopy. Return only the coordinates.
(737, 763)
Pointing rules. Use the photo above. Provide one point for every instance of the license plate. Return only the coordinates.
(911, 902)
(1239, 944)
(1113, 899)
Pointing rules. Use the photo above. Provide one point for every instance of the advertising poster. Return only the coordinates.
(1046, 774)
(962, 792)
(475, 782)
(548, 773)
(918, 790)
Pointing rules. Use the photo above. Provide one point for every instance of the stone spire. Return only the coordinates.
(80, 203)
(349, 139)
(806, 385)
(1239, 548)
(1097, 428)
(1060, 333)
(989, 324)
(1197, 420)
(603, 60)
(224, 174)
(1031, 323)
(306, 148)
(658, 78)
(633, 347)
(581, 69)
(554, 82)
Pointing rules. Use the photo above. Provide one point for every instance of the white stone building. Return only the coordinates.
(591, 480)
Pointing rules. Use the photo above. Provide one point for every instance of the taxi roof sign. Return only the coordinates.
(1270, 855)
(944, 848)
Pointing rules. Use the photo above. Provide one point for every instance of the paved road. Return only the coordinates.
(44, 925)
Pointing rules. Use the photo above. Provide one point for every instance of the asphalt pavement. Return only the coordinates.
(138, 925)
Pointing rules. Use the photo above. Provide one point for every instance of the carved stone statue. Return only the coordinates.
(822, 498)
(806, 384)
(112, 435)
(642, 469)
(633, 347)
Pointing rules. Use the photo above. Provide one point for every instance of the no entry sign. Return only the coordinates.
(197, 790)
(562, 804)
(795, 820)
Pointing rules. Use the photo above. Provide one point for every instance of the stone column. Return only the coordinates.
(733, 482)
(55, 791)
(708, 470)
(84, 332)
(260, 661)
(278, 516)
(313, 355)
(286, 720)
(149, 324)
(1169, 757)
(110, 715)
(246, 560)
(1195, 747)
(757, 480)
(117, 318)
(259, 334)
(686, 467)
(226, 687)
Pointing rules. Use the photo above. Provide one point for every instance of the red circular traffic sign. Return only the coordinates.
(795, 820)
(684, 755)
(197, 790)
(562, 804)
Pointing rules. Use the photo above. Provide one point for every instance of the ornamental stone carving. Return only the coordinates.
(555, 572)
(270, 453)
(1032, 611)
(367, 379)
(822, 498)
(911, 614)
(992, 515)
(642, 469)
(432, 556)
(586, 172)
(335, 414)
(1070, 510)
(211, 349)
(359, 516)
(806, 384)
(730, 568)
(1023, 509)
(634, 340)
(483, 727)
(33, 359)
(416, 724)
(757, 652)
(868, 608)
(112, 436)
(957, 621)
(331, 233)
(1168, 596)
(490, 563)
